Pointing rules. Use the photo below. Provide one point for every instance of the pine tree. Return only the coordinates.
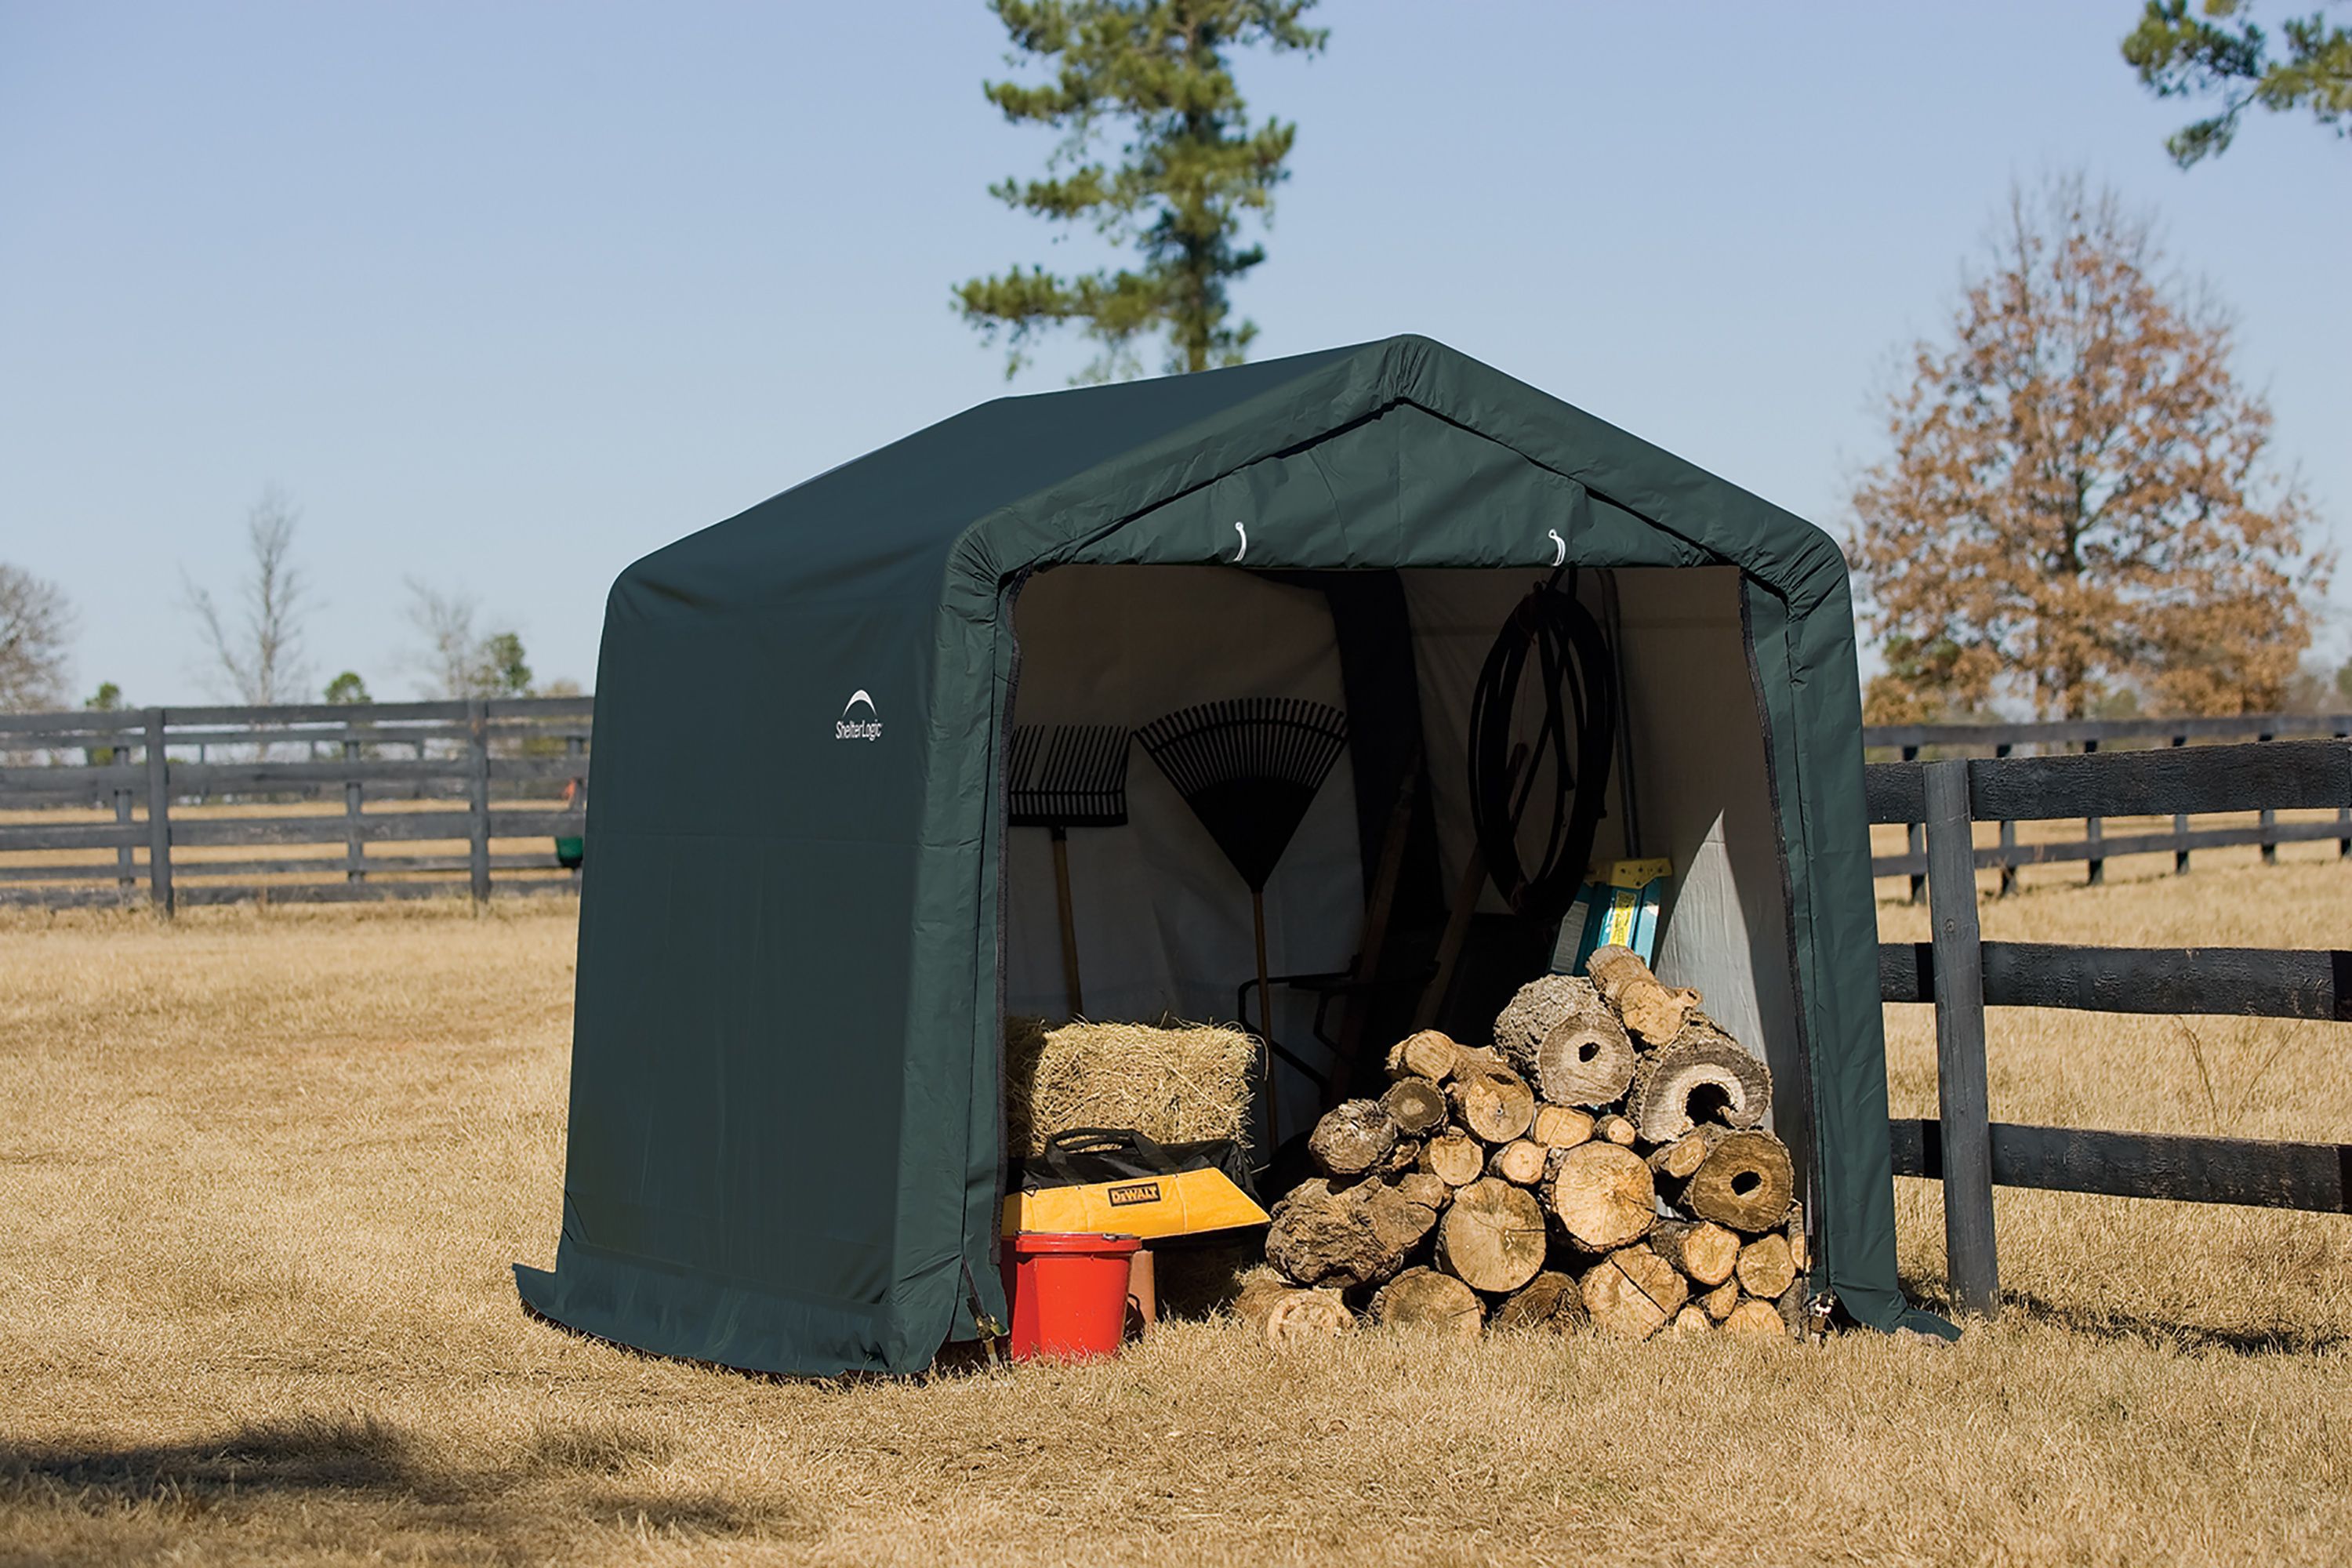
(2178, 56)
(2079, 501)
(1189, 173)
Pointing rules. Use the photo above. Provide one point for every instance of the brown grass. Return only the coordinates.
(263, 1177)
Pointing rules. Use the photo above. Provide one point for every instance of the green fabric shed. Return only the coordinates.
(785, 1114)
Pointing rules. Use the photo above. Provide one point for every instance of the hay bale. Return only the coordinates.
(1175, 1082)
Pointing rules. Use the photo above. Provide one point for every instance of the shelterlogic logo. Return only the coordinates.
(866, 728)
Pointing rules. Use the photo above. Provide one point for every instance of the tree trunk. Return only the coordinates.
(1416, 1105)
(1561, 1126)
(1521, 1161)
(1550, 1301)
(1425, 1297)
(1632, 1293)
(1652, 1012)
(1766, 1269)
(1492, 1236)
(1756, 1320)
(1602, 1195)
(1561, 1035)
(1702, 1075)
(1351, 1138)
(1454, 1158)
(1745, 1183)
(1431, 1054)
(1705, 1252)
(1495, 1107)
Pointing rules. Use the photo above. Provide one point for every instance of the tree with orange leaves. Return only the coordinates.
(2080, 503)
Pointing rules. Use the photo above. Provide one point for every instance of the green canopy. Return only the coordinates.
(786, 1114)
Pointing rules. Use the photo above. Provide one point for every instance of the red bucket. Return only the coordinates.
(1067, 1292)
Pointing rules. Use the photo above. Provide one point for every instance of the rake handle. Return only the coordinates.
(1265, 1021)
(1069, 922)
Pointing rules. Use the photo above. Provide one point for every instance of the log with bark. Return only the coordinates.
(1494, 1107)
(1520, 1161)
(1417, 1106)
(1285, 1315)
(1756, 1320)
(1455, 1158)
(1493, 1237)
(1704, 1252)
(1617, 1130)
(1561, 1126)
(1720, 1301)
(1634, 1292)
(1766, 1269)
(1651, 1011)
(1745, 1183)
(1358, 1235)
(1551, 1301)
(1691, 1320)
(1566, 1040)
(1701, 1075)
(1352, 1137)
(1431, 1054)
(1425, 1297)
(1602, 1195)
(1681, 1157)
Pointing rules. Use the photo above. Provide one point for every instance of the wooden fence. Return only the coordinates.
(183, 783)
(1961, 975)
(2087, 736)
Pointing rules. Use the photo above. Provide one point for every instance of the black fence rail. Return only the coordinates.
(2097, 737)
(1963, 975)
(174, 781)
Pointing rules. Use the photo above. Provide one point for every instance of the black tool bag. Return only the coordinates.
(1083, 1156)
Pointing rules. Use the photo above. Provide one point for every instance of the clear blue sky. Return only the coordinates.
(507, 295)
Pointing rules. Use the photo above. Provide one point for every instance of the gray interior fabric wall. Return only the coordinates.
(1163, 922)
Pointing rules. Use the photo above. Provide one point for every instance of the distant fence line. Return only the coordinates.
(505, 760)
(1910, 742)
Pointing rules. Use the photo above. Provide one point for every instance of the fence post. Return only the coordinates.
(2094, 832)
(126, 871)
(2342, 816)
(2269, 820)
(1912, 841)
(2180, 828)
(1963, 1101)
(159, 817)
(354, 848)
(477, 796)
(2008, 840)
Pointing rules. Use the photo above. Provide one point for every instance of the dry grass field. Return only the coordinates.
(262, 1177)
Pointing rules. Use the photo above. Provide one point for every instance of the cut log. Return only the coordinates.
(1720, 1301)
(1455, 1158)
(1681, 1157)
(1421, 1187)
(1400, 1223)
(1520, 1161)
(1561, 1126)
(1602, 1195)
(1796, 1232)
(1405, 1156)
(1632, 1293)
(1706, 1253)
(1615, 1130)
(1492, 1236)
(1652, 1012)
(1495, 1107)
(1702, 1075)
(1560, 1034)
(1425, 1297)
(1550, 1301)
(1285, 1315)
(1353, 1136)
(1756, 1320)
(1745, 1183)
(1691, 1320)
(1416, 1105)
(1766, 1269)
(1431, 1054)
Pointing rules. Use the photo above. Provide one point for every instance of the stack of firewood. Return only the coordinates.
(1602, 1163)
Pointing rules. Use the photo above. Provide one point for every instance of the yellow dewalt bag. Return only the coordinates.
(1117, 1180)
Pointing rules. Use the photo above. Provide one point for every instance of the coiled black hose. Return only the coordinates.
(1577, 737)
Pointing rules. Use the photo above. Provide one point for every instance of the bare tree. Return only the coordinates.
(35, 623)
(456, 660)
(259, 649)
